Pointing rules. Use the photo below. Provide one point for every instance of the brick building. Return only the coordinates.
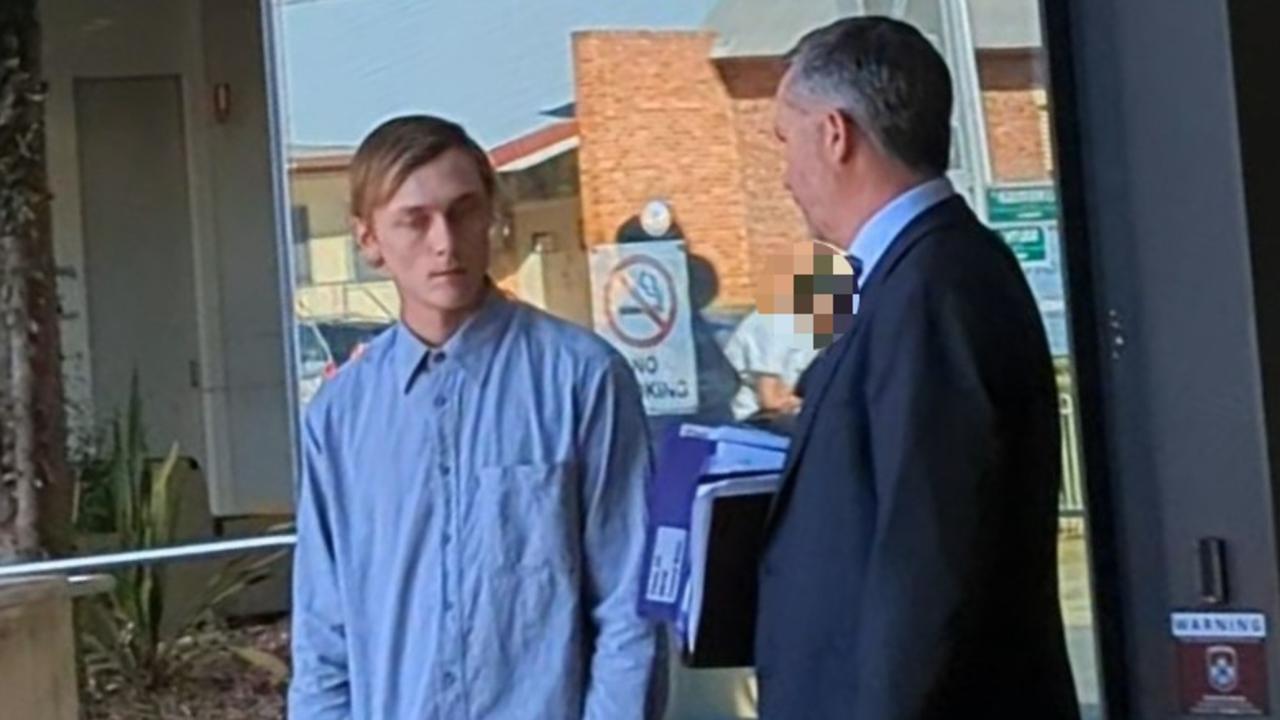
(662, 114)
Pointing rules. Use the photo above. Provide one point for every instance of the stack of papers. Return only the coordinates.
(740, 451)
(708, 505)
(732, 569)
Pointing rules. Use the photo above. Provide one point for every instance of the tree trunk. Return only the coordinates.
(35, 484)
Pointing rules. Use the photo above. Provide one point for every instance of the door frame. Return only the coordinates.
(1161, 282)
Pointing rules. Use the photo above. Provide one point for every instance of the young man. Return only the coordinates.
(470, 520)
(910, 572)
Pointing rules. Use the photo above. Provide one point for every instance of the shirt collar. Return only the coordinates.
(878, 233)
(412, 354)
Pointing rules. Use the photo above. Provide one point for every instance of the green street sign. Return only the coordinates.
(1033, 203)
(1027, 242)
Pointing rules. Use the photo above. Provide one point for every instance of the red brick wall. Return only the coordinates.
(1013, 98)
(773, 221)
(656, 122)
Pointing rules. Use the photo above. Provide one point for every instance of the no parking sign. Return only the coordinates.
(640, 302)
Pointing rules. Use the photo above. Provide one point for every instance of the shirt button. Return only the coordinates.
(438, 358)
(440, 401)
(449, 679)
(448, 538)
(444, 470)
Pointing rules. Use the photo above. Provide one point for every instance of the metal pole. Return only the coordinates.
(110, 561)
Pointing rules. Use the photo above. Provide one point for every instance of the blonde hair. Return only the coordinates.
(398, 147)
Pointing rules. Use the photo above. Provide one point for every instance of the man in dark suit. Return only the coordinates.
(909, 570)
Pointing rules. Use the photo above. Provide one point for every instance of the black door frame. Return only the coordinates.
(1163, 216)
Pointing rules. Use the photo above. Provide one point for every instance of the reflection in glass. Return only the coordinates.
(595, 113)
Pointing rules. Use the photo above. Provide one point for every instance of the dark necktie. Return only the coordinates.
(855, 299)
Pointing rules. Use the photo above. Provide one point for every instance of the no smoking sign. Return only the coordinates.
(641, 306)
(641, 302)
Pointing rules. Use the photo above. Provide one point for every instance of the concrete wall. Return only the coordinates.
(37, 650)
(87, 39)
(241, 370)
(553, 274)
(250, 272)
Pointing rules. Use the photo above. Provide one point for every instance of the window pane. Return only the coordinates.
(642, 192)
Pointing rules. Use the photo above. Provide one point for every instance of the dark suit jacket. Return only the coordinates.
(910, 567)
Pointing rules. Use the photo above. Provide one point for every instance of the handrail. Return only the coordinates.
(109, 561)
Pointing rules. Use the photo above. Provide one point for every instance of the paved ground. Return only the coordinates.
(1077, 613)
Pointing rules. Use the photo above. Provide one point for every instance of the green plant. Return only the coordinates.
(93, 511)
(130, 637)
(274, 667)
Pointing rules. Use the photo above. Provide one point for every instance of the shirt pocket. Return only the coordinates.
(529, 515)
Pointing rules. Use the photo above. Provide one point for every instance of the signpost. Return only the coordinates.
(1026, 216)
(1028, 243)
(1222, 662)
(1012, 204)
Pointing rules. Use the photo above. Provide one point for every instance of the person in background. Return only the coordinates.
(770, 354)
(471, 510)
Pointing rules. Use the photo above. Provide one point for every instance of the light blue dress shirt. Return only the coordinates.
(878, 233)
(470, 530)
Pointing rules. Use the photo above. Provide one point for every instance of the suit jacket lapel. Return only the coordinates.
(813, 394)
(943, 212)
(950, 210)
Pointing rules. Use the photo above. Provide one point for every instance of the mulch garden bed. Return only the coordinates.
(223, 687)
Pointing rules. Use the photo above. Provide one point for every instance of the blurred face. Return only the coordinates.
(816, 141)
(432, 236)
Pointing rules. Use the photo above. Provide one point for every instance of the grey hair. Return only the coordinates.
(888, 79)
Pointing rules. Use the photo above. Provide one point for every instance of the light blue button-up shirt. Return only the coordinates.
(877, 234)
(470, 530)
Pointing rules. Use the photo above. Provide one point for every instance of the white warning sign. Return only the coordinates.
(640, 298)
